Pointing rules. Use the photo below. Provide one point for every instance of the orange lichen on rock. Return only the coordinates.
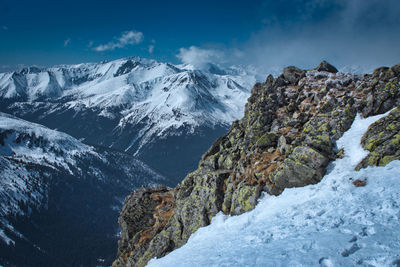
(163, 212)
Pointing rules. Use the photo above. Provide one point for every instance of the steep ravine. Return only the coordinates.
(286, 139)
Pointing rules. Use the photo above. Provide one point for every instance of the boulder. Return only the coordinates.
(293, 74)
(382, 140)
(325, 66)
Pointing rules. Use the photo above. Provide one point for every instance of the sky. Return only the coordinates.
(264, 34)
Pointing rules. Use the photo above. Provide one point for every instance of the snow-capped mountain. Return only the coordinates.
(54, 188)
(132, 104)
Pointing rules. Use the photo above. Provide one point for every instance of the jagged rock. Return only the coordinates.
(286, 139)
(396, 69)
(293, 74)
(145, 212)
(325, 66)
(382, 91)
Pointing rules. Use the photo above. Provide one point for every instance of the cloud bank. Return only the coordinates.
(126, 38)
(348, 34)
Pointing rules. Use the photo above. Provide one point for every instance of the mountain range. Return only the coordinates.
(76, 139)
(165, 114)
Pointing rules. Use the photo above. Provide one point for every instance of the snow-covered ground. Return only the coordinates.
(332, 223)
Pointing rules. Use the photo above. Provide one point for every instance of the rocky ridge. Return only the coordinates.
(286, 139)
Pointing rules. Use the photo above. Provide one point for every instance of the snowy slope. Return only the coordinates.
(22, 143)
(35, 143)
(48, 177)
(332, 223)
(136, 90)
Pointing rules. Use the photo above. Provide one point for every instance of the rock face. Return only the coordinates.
(382, 140)
(145, 208)
(286, 139)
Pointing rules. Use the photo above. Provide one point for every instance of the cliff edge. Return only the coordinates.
(286, 139)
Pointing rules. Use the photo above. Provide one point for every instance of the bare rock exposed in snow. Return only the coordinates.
(286, 139)
(382, 140)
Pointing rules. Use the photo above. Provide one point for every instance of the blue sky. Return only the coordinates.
(265, 34)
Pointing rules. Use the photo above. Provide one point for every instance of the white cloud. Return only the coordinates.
(66, 42)
(90, 44)
(199, 57)
(4, 27)
(151, 49)
(126, 38)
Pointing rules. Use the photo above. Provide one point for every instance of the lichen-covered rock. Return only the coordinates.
(145, 213)
(244, 198)
(382, 139)
(286, 139)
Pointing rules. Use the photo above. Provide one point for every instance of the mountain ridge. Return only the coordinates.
(132, 104)
(286, 139)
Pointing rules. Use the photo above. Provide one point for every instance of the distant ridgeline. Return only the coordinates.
(286, 139)
(59, 198)
(165, 114)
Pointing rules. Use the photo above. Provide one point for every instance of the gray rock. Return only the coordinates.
(293, 74)
(325, 66)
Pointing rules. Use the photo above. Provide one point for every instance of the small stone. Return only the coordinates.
(282, 144)
(359, 183)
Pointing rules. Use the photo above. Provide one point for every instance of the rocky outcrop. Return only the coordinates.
(382, 140)
(145, 214)
(286, 139)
